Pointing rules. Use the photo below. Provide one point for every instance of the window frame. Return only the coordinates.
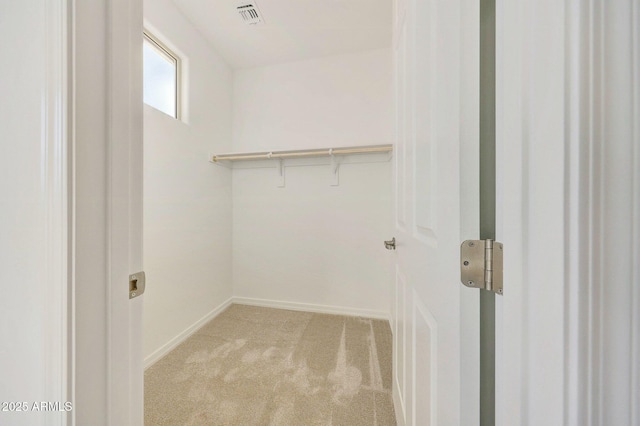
(166, 51)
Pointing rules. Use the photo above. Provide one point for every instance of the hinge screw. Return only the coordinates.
(470, 282)
(133, 294)
(466, 263)
(471, 244)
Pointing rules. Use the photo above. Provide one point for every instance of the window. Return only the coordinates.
(161, 77)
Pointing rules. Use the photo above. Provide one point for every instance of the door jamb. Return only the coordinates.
(106, 184)
(598, 89)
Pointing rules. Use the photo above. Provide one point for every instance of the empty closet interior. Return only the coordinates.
(270, 182)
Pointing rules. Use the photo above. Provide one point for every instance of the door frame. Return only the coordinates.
(568, 85)
(57, 315)
(105, 78)
(603, 149)
(103, 128)
(530, 213)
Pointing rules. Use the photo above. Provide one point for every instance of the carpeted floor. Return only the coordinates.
(263, 366)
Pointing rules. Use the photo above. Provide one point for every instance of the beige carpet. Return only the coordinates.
(263, 366)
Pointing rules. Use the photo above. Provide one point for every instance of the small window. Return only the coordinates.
(161, 77)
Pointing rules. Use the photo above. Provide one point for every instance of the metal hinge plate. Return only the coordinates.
(481, 264)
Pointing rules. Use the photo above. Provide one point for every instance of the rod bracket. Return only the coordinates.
(280, 170)
(335, 170)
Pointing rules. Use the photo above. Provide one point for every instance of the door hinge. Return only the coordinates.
(481, 264)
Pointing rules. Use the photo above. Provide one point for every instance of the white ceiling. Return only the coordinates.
(292, 29)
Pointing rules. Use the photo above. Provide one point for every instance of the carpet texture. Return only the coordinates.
(261, 366)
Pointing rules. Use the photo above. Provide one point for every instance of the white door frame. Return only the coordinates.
(125, 174)
(106, 234)
(582, 233)
(568, 146)
(57, 317)
(603, 289)
(530, 221)
(34, 279)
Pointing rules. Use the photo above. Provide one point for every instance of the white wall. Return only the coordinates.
(310, 242)
(334, 100)
(187, 219)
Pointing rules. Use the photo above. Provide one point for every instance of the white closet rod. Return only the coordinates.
(303, 153)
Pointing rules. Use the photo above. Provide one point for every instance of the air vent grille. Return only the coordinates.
(249, 13)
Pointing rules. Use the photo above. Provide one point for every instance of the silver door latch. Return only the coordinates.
(390, 244)
(136, 284)
(481, 265)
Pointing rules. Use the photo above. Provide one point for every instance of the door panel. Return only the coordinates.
(425, 340)
(434, 94)
(400, 336)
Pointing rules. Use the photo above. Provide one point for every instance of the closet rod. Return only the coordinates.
(303, 153)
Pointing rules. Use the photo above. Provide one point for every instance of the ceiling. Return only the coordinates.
(292, 29)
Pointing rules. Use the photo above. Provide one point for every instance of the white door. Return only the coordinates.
(435, 326)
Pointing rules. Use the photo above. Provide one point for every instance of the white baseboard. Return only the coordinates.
(311, 307)
(295, 306)
(171, 344)
(398, 405)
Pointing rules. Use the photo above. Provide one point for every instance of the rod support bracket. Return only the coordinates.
(335, 170)
(280, 170)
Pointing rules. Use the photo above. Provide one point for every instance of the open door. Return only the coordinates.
(435, 318)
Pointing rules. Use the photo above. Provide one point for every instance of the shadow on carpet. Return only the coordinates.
(262, 366)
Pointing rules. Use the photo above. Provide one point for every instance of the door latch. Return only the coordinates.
(481, 264)
(390, 244)
(136, 284)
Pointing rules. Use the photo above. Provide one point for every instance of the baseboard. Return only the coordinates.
(398, 406)
(295, 306)
(170, 345)
(311, 307)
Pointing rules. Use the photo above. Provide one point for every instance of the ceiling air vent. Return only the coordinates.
(249, 13)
